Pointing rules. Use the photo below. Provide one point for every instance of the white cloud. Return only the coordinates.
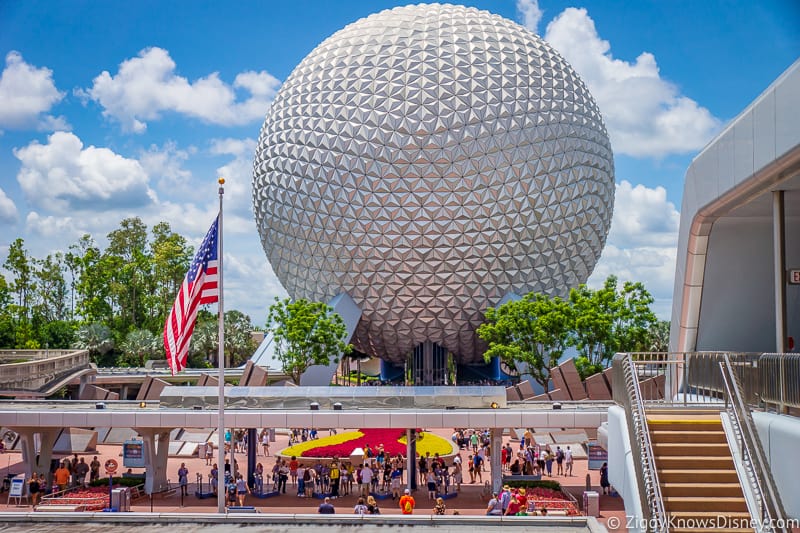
(530, 13)
(147, 85)
(642, 244)
(62, 175)
(643, 217)
(646, 116)
(26, 93)
(165, 164)
(50, 226)
(8, 210)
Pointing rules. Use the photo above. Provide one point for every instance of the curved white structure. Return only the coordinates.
(427, 161)
(740, 232)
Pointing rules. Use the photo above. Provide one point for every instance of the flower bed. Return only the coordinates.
(92, 498)
(393, 441)
(552, 500)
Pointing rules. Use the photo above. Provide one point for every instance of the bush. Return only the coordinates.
(124, 481)
(532, 484)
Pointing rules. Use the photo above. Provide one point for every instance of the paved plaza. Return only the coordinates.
(471, 500)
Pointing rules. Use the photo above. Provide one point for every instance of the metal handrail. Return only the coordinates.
(639, 434)
(772, 517)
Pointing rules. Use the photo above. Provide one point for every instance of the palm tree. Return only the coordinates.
(96, 338)
(139, 346)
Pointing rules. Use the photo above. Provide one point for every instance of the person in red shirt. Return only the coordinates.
(407, 503)
(522, 499)
(514, 506)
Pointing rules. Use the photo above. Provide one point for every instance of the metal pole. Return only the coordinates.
(779, 254)
(221, 365)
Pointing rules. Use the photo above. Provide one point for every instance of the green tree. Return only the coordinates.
(131, 267)
(305, 334)
(170, 260)
(609, 320)
(97, 339)
(239, 344)
(139, 346)
(18, 263)
(94, 278)
(658, 337)
(533, 332)
(50, 288)
(57, 334)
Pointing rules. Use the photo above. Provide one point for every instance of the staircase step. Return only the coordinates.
(681, 475)
(700, 488)
(675, 424)
(686, 436)
(693, 449)
(718, 504)
(694, 463)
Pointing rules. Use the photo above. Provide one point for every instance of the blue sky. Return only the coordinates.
(113, 109)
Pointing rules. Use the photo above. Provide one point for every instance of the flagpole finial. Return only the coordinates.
(221, 180)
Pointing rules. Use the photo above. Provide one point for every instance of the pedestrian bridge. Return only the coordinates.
(40, 373)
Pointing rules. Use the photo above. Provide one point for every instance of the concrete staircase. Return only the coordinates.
(698, 480)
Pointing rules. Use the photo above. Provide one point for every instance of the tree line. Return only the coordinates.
(532, 334)
(112, 301)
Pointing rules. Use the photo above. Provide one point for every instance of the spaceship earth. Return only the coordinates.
(428, 160)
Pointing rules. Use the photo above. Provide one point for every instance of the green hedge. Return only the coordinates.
(532, 484)
(124, 481)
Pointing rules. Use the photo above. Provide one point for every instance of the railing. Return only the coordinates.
(626, 391)
(38, 367)
(780, 379)
(770, 514)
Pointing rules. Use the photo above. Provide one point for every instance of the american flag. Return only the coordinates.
(201, 286)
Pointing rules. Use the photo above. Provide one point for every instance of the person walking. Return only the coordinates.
(34, 489)
(242, 490)
(265, 442)
(568, 461)
(183, 479)
(439, 508)
(407, 502)
(604, 483)
(430, 480)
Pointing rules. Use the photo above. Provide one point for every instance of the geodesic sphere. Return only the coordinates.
(428, 160)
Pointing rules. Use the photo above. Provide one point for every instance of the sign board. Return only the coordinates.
(17, 487)
(133, 454)
(596, 455)
(794, 277)
(111, 466)
(18, 490)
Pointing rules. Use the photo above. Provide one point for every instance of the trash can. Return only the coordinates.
(121, 499)
(591, 503)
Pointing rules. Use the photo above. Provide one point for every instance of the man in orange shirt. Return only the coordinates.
(62, 476)
(407, 503)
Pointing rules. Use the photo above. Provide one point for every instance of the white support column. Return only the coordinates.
(156, 453)
(497, 467)
(39, 463)
(779, 247)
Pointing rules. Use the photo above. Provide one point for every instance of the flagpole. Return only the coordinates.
(221, 365)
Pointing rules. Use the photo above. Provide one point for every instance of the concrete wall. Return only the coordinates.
(621, 472)
(737, 310)
(780, 436)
